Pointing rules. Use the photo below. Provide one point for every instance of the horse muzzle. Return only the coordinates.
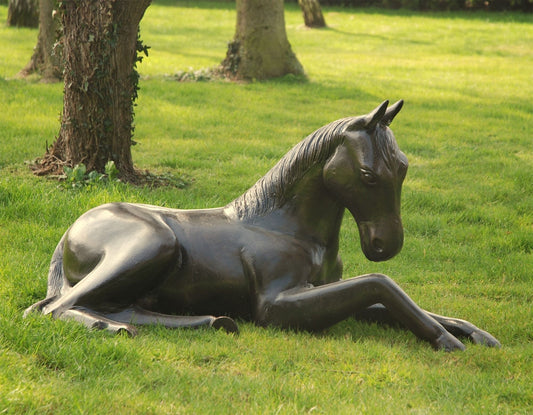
(382, 241)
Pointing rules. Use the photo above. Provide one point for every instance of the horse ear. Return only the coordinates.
(368, 122)
(391, 112)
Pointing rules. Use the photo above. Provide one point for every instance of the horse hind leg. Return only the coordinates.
(123, 322)
(114, 281)
(80, 301)
(85, 316)
(122, 272)
(94, 320)
(140, 316)
(38, 306)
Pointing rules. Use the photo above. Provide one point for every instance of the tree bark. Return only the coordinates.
(312, 12)
(260, 48)
(23, 13)
(100, 46)
(46, 58)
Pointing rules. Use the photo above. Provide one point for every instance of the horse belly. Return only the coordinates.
(209, 281)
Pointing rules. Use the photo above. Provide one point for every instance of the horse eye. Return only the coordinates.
(368, 177)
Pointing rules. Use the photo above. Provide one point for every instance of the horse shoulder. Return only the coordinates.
(276, 262)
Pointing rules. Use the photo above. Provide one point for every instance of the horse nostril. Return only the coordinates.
(377, 245)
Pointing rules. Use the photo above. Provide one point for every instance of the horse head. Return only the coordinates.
(365, 173)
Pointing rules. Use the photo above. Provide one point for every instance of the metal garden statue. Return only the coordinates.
(270, 256)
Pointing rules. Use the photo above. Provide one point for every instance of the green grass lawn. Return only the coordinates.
(467, 208)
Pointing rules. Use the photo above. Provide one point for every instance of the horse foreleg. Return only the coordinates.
(313, 308)
(463, 328)
(459, 328)
(140, 316)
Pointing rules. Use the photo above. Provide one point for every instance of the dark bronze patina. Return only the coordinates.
(271, 255)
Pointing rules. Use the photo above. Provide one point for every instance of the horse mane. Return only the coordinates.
(268, 193)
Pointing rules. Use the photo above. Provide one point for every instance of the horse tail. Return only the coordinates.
(56, 277)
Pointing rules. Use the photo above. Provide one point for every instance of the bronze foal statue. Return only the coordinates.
(271, 255)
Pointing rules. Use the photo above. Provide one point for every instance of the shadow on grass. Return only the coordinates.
(483, 15)
(198, 4)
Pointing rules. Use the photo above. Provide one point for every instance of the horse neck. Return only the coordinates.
(291, 197)
(312, 208)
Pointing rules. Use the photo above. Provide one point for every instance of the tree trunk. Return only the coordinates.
(23, 13)
(312, 12)
(260, 48)
(46, 58)
(100, 46)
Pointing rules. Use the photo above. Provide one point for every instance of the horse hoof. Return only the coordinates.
(38, 306)
(126, 331)
(99, 325)
(448, 342)
(30, 310)
(226, 324)
(484, 338)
